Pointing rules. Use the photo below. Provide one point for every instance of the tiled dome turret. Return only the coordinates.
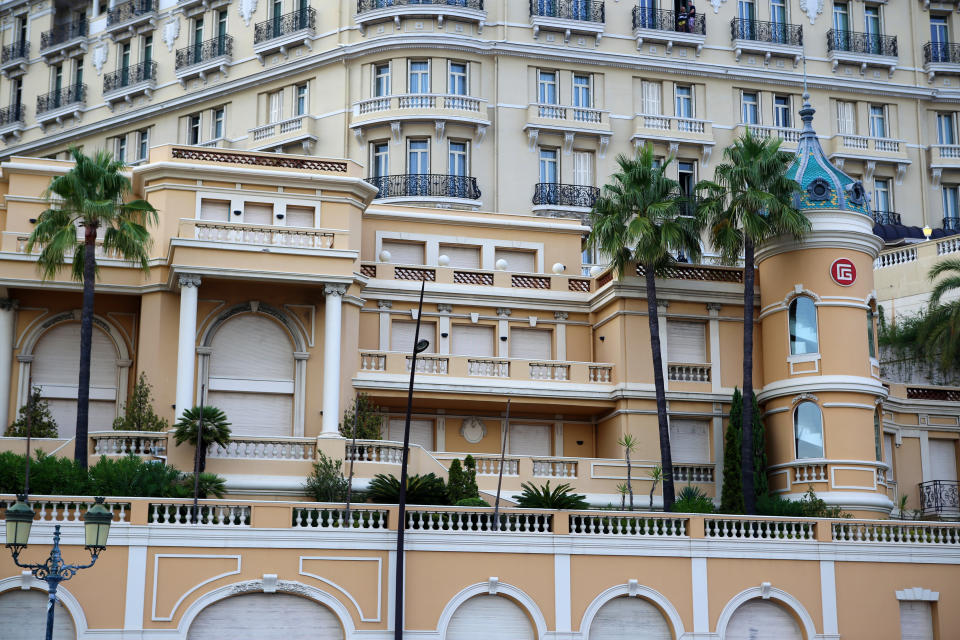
(823, 186)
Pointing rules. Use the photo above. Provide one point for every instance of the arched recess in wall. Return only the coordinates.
(252, 361)
(491, 611)
(21, 609)
(50, 359)
(631, 611)
(266, 616)
(765, 613)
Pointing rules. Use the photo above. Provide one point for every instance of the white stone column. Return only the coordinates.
(8, 314)
(384, 306)
(186, 342)
(332, 322)
(561, 334)
(503, 331)
(713, 309)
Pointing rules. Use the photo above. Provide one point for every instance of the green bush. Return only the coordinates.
(367, 417)
(462, 480)
(426, 489)
(326, 483)
(692, 500)
(561, 497)
(42, 424)
(138, 414)
(471, 502)
(809, 506)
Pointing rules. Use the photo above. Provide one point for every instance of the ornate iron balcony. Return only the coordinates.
(772, 32)
(129, 10)
(856, 42)
(371, 5)
(13, 113)
(662, 20)
(285, 24)
(128, 76)
(941, 52)
(204, 51)
(63, 33)
(564, 195)
(14, 51)
(56, 99)
(939, 497)
(951, 223)
(886, 217)
(426, 185)
(583, 10)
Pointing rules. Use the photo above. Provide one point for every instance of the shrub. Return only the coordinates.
(326, 483)
(692, 500)
(426, 489)
(138, 414)
(367, 417)
(471, 502)
(731, 496)
(809, 506)
(462, 480)
(561, 497)
(42, 424)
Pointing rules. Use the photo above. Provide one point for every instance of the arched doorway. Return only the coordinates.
(266, 616)
(24, 615)
(487, 617)
(762, 620)
(626, 618)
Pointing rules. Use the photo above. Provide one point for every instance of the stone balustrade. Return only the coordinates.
(688, 372)
(510, 521)
(379, 451)
(207, 513)
(618, 524)
(122, 443)
(61, 509)
(555, 468)
(255, 448)
(487, 465)
(689, 473)
(337, 518)
(759, 529)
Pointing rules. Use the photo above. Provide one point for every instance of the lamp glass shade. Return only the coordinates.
(19, 520)
(96, 525)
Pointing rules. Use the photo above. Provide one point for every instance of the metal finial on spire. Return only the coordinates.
(806, 91)
(807, 110)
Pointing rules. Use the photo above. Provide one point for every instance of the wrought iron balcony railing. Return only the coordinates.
(583, 10)
(63, 33)
(128, 76)
(940, 497)
(662, 20)
(283, 25)
(204, 51)
(129, 10)
(13, 113)
(15, 51)
(426, 185)
(941, 52)
(371, 5)
(772, 32)
(66, 96)
(564, 195)
(856, 42)
(951, 223)
(886, 217)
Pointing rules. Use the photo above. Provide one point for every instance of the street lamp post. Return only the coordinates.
(96, 525)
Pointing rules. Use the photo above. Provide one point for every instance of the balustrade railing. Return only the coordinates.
(543, 468)
(74, 94)
(121, 443)
(272, 129)
(430, 365)
(479, 521)
(892, 258)
(947, 151)
(63, 33)
(454, 102)
(490, 466)
(864, 143)
(886, 217)
(282, 25)
(379, 451)
(686, 472)
(488, 368)
(602, 373)
(809, 472)
(646, 526)
(426, 185)
(659, 122)
(337, 518)
(895, 532)
(940, 498)
(582, 10)
(241, 448)
(130, 10)
(204, 51)
(15, 51)
(565, 195)
(743, 528)
(549, 371)
(772, 32)
(786, 134)
(951, 223)
(688, 372)
(296, 237)
(856, 42)
(68, 509)
(221, 515)
(364, 6)
(941, 52)
(665, 20)
(13, 113)
(128, 76)
(948, 245)
(373, 362)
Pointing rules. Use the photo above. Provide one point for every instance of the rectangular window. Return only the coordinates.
(198, 30)
(943, 459)
(122, 149)
(684, 101)
(17, 98)
(458, 79)
(871, 339)
(951, 205)
(221, 31)
(193, 129)
(275, 100)
(216, 210)
(78, 72)
(58, 77)
(419, 77)
(418, 157)
(146, 49)
(873, 28)
(581, 91)
(690, 441)
(218, 120)
(686, 176)
(517, 260)
(301, 93)
(547, 87)
(549, 173)
(878, 121)
(258, 213)
(531, 344)
(461, 257)
(841, 16)
(916, 620)
(404, 252)
(749, 108)
(143, 142)
(946, 128)
(472, 340)
(686, 342)
(529, 439)
(457, 158)
(881, 195)
(302, 217)
(381, 159)
(888, 455)
(846, 118)
(651, 98)
(421, 432)
(782, 112)
(583, 168)
(402, 333)
(381, 80)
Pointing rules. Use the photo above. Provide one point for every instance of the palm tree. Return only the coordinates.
(750, 200)
(939, 331)
(637, 218)
(629, 444)
(91, 196)
(216, 430)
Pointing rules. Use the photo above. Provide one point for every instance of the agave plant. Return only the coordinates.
(560, 497)
(425, 489)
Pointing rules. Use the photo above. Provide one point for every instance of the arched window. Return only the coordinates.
(762, 620)
(803, 327)
(261, 616)
(626, 618)
(21, 611)
(808, 428)
(488, 617)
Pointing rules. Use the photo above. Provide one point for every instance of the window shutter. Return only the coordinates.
(583, 168)
(888, 456)
(943, 459)
(690, 440)
(762, 619)
(216, 210)
(257, 213)
(686, 341)
(421, 432)
(255, 414)
(402, 334)
(266, 615)
(22, 609)
(529, 440)
(845, 118)
(519, 261)
(472, 340)
(621, 618)
(404, 252)
(276, 106)
(531, 344)
(461, 257)
(485, 616)
(916, 620)
(651, 98)
(300, 217)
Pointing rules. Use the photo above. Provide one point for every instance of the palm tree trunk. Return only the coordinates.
(86, 342)
(629, 478)
(666, 459)
(746, 445)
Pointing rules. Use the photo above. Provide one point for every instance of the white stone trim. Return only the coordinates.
(136, 583)
(701, 593)
(918, 594)
(561, 592)
(346, 593)
(634, 590)
(156, 577)
(767, 593)
(828, 597)
(483, 588)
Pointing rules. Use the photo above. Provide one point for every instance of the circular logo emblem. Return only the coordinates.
(843, 272)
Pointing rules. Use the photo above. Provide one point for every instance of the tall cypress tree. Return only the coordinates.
(731, 497)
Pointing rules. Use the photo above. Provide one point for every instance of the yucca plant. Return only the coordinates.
(425, 489)
(543, 497)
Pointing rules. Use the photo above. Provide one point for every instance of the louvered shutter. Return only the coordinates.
(20, 611)
(888, 456)
(472, 340)
(261, 616)
(583, 168)
(461, 257)
(943, 459)
(487, 617)
(686, 341)
(276, 106)
(215, 210)
(762, 620)
(300, 217)
(651, 98)
(529, 439)
(916, 620)
(402, 333)
(421, 432)
(404, 252)
(846, 123)
(627, 618)
(690, 440)
(519, 261)
(531, 344)
(257, 213)
(255, 414)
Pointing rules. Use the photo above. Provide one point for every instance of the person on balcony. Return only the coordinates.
(691, 18)
(682, 18)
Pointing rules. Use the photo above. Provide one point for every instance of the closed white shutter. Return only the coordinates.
(255, 414)
(261, 616)
(690, 440)
(846, 122)
(21, 610)
(916, 620)
(686, 341)
(276, 106)
(943, 459)
(519, 261)
(488, 617)
(583, 168)
(421, 432)
(472, 340)
(257, 213)
(762, 620)
(215, 210)
(888, 456)
(300, 217)
(402, 333)
(627, 618)
(651, 98)
(529, 439)
(461, 257)
(531, 344)
(404, 252)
